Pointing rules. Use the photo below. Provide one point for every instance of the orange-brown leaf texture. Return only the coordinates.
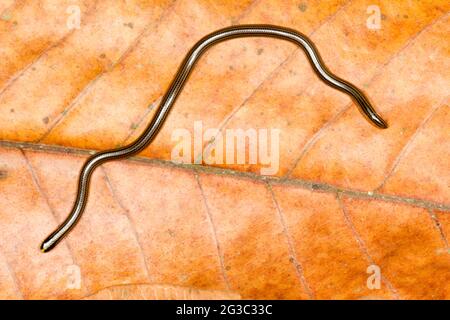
(352, 212)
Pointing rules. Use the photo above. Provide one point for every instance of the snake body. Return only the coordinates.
(174, 90)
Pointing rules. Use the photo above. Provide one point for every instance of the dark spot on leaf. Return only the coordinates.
(405, 16)
(133, 126)
(103, 56)
(11, 110)
(260, 50)
(171, 232)
(129, 25)
(315, 186)
(227, 268)
(303, 7)
(45, 120)
(3, 174)
(291, 260)
(383, 17)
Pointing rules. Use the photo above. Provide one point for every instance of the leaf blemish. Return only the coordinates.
(3, 174)
(6, 16)
(129, 25)
(303, 7)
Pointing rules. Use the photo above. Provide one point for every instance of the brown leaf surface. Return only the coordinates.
(346, 197)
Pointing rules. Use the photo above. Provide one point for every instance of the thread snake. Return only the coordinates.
(174, 90)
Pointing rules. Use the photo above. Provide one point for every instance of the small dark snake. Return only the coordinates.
(174, 90)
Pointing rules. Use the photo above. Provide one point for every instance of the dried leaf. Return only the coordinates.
(352, 213)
